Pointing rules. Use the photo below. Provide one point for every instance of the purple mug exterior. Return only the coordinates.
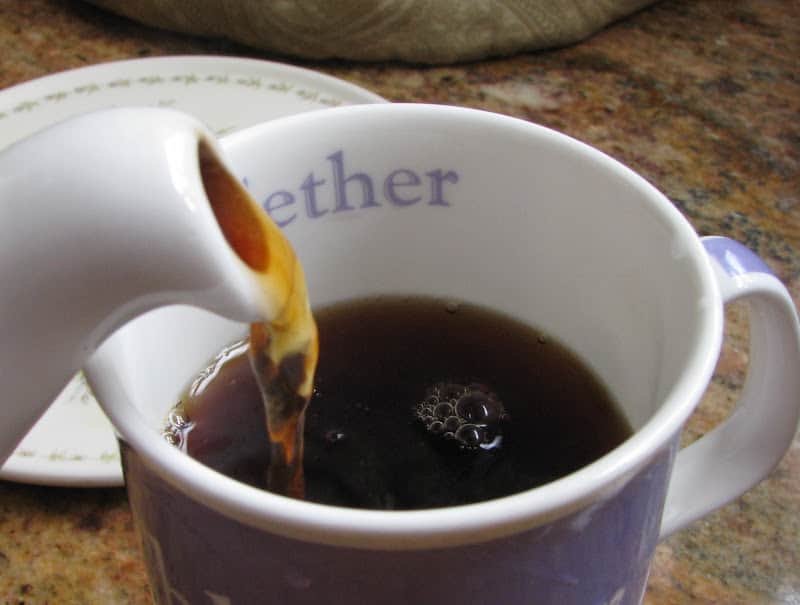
(734, 258)
(599, 555)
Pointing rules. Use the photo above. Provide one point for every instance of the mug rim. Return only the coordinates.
(469, 523)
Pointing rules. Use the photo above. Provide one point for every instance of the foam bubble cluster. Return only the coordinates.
(469, 414)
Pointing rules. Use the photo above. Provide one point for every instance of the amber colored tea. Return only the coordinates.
(417, 403)
(283, 348)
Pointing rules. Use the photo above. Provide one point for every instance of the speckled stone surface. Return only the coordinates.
(702, 97)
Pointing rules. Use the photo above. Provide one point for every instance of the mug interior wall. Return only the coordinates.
(488, 211)
(497, 213)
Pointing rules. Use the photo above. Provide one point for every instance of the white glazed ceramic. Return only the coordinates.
(74, 443)
(103, 217)
(474, 206)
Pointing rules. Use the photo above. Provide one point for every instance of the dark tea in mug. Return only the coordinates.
(417, 403)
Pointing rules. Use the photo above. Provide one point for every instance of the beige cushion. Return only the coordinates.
(426, 31)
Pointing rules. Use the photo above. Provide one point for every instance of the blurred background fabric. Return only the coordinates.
(414, 31)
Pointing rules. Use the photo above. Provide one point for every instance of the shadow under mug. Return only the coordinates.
(463, 204)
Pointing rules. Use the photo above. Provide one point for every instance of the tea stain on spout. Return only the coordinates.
(283, 349)
(235, 211)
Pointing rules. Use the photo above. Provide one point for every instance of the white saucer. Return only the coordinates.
(73, 443)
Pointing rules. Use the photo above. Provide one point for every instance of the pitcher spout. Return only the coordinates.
(102, 218)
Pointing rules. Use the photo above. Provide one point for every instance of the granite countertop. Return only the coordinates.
(702, 97)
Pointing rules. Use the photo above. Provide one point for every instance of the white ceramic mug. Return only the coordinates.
(474, 206)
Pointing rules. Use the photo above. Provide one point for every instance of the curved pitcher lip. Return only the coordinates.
(93, 205)
(470, 523)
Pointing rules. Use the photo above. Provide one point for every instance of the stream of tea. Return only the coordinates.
(283, 350)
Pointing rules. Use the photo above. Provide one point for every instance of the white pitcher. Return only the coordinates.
(102, 218)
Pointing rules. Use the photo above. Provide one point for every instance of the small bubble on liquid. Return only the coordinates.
(478, 407)
(177, 419)
(443, 410)
(490, 444)
(451, 306)
(452, 423)
(470, 435)
(334, 436)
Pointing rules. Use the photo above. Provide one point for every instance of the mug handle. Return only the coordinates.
(743, 449)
